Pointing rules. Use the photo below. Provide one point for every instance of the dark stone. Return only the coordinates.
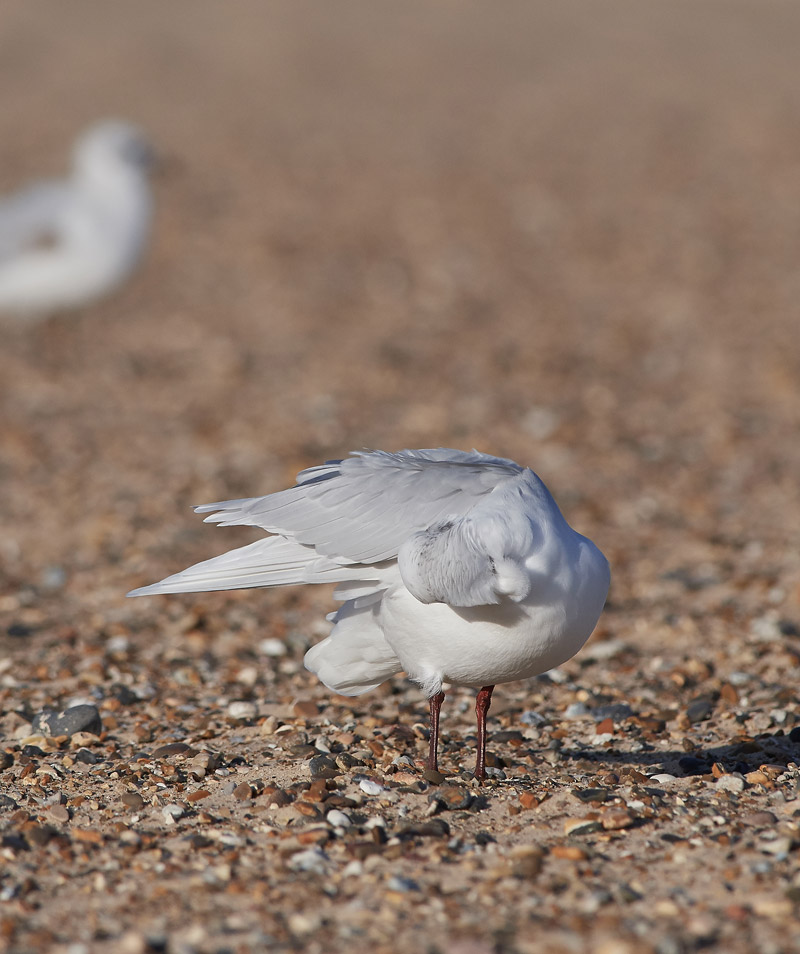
(87, 757)
(19, 630)
(592, 794)
(484, 838)
(174, 748)
(435, 828)
(6, 760)
(84, 718)
(323, 767)
(451, 798)
(7, 803)
(794, 735)
(616, 711)
(124, 694)
(699, 709)
(32, 751)
(507, 735)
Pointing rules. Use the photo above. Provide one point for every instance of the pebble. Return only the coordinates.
(370, 787)
(435, 828)
(434, 777)
(338, 819)
(615, 819)
(82, 718)
(242, 711)
(59, 813)
(581, 826)
(133, 800)
(313, 860)
(173, 748)
(172, 813)
(759, 819)
(6, 760)
(592, 794)
(731, 783)
(273, 647)
(451, 798)
(664, 778)
(323, 766)
(699, 709)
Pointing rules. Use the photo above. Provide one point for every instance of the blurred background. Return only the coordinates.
(565, 233)
(555, 236)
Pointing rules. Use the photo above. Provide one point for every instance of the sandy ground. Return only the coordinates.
(563, 233)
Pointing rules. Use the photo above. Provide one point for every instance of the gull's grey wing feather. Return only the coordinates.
(361, 509)
(31, 215)
(274, 561)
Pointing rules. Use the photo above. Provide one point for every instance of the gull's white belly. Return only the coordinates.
(481, 645)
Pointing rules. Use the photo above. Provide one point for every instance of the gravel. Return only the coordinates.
(561, 235)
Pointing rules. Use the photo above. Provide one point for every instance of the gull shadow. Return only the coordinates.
(745, 756)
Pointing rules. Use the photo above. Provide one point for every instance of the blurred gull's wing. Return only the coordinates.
(31, 216)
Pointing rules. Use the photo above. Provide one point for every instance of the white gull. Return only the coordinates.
(66, 243)
(454, 567)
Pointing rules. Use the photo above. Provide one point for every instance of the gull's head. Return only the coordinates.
(113, 145)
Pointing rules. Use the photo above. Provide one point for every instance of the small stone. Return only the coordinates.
(313, 836)
(313, 860)
(592, 794)
(370, 787)
(59, 813)
(756, 778)
(243, 792)
(242, 711)
(617, 711)
(606, 727)
(6, 760)
(89, 836)
(306, 709)
(761, 819)
(133, 800)
(663, 778)
(323, 766)
(82, 718)
(568, 852)
(615, 819)
(338, 819)
(731, 783)
(699, 709)
(435, 828)
(173, 813)
(273, 647)
(780, 847)
(432, 776)
(451, 798)
(526, 861)
(581, 826)
(173, 748)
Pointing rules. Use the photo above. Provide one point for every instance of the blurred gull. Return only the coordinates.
(65, 243)
(455, 567)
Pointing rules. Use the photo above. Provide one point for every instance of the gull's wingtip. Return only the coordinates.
(144, 590)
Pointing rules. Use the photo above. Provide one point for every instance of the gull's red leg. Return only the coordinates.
(435, 704)
(482, 703)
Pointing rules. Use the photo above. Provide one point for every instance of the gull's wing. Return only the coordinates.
(361, 509)
(31, 216)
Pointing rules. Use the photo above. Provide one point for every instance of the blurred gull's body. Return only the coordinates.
(65, 243)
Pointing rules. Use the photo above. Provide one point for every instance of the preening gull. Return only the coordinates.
(65, 243)
(454, 567)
